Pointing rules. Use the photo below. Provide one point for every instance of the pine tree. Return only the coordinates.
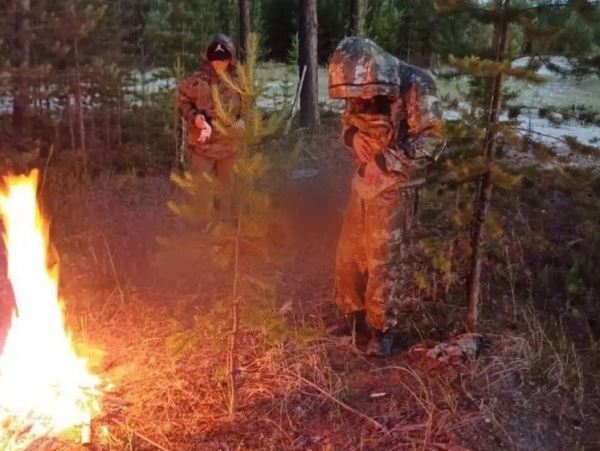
(22, 53)
(245, 28)
(357, 11)
(406, 28)
(180, 29)
(482, 126)
(236, 236)
(308, 39)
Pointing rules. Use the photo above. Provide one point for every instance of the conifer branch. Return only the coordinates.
(478, 67)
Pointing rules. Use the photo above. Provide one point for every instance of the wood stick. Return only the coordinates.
(46, 170)
(114, 270)
(342, 404)
(142, 436)
(298, 90)
(86, 432)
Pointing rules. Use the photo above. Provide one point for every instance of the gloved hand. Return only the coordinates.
(205, 128)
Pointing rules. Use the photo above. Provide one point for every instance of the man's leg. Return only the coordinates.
(351, 266)
(389, 219)
(224, 171)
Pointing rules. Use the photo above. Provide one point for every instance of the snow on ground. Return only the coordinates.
(280, 82)
(553, 136)
(550, 133)
(558, 91)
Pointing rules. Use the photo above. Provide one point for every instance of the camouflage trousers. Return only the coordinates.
(371, 256)
(221, 169)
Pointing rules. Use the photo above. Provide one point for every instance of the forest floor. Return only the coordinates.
(529, 389)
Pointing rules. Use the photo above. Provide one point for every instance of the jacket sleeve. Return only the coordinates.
(348, 132)
(421, 135)
(185, 98)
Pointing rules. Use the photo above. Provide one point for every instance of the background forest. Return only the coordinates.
(95, 75)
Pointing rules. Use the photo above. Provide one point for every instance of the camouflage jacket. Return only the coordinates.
(195, 96)
(391, 103)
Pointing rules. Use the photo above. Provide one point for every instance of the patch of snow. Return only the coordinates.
(451, 115)
(6, 105)
(552, 135)
(549, 133)
(559, 61)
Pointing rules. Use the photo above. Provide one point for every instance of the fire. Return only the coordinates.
(45, 387)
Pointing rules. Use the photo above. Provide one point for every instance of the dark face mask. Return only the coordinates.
(218, 52)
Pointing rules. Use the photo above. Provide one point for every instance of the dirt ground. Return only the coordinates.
(314, 393)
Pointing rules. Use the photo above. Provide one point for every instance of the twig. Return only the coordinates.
(311, 155)
(342, 404)
(233, 360)
(232, 356)
(114, 270)
(142, 436)
(542, 134)
(46, 170)
(298, 90)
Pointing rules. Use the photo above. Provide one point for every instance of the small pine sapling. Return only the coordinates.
(233, 226)
(479, 138)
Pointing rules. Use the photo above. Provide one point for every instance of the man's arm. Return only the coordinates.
(187, 93)
(356, 142)
(422, 134)
(185, 98)
(348, 133)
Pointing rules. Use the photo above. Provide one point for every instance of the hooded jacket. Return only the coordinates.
(195, 96)
(393, 104)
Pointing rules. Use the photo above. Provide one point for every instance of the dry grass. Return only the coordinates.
(310, 394)
(180, 402)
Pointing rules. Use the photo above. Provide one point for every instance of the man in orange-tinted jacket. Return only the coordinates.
(211, 151)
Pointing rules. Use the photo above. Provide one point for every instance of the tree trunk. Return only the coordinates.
(79, 98)
(356, 17)
(224, 11)
(22, 45)
(244, 27)
(70, 119)
(409, 43)
(308, 41)
(232, 355)
(484, 195)
(76, 81)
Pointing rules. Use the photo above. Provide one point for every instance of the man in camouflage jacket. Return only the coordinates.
(391, 119)
(211, 151)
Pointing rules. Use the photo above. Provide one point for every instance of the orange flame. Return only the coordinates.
(45, 388)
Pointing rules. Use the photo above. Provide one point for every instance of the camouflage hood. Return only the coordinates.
(360, 68)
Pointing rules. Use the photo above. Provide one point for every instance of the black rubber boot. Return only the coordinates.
(381, 343)
(354, 323)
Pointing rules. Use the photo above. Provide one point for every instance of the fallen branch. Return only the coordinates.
(345, 406)
(298, 90)
(526, 130)
(46, 170)
(114, 270)
(142, 436)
